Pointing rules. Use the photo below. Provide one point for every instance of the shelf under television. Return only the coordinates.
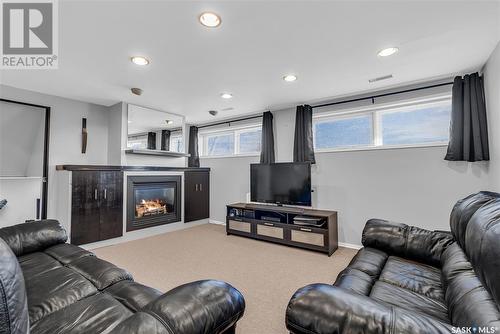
(323, 239)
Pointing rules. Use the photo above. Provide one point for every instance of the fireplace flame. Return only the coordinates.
(150, 207)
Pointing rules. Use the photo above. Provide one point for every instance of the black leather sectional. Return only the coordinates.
(48, 286)
(410, 280)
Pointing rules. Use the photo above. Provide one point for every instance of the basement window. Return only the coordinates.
(421, 123)
(176, 143)
(239, 141)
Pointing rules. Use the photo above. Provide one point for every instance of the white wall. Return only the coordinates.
(492, 92)
(65, 132)
(413, 185)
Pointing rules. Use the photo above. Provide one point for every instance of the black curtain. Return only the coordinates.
(165, 140)
(303, 150)
(267, 142)
(194, 159)
(468, 127)
(151, 140)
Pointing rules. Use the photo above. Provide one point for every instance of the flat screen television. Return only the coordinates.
(281, 183)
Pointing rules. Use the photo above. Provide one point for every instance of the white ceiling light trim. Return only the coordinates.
(388, 51)
(210, 19)
(139, 60)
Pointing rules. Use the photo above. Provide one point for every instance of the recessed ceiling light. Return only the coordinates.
(169, 121)
(210, 20)
(139, 60)
(387, 52)
(226, 95)
(290, 77)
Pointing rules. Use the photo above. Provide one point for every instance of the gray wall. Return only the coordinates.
(65, 132)
(21, 140)
(411, 185)
(492, 93)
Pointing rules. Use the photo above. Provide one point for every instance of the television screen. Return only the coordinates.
(281, 183)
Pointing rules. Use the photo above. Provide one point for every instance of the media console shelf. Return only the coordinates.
(276, 224)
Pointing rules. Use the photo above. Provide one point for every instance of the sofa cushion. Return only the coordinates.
(133, 295)
(54, 290)
(101, 273)
(67, 253)
(468, 300)
(417, 277)
(13, 301)
(37, 263)
(464, 209)
(33, 237)
(406, 241)
(482, 238)
(393, 295)
(99, 313)
(362, 271)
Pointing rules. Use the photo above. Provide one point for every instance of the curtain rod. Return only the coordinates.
(382, 95)
(229, 122)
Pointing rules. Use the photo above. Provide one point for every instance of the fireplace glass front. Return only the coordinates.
(152, 200)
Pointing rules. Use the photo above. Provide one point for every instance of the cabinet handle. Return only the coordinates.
(306, 229)
(105, 193)
(95, 193)
(201, 188)
(196, 187)
(269, 224)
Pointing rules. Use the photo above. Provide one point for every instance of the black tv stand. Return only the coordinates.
(313, 229)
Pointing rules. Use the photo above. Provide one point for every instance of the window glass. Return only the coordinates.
(222, 144)
(176, 144)
(249, 141)
(343, 132)
(417, 125)
(138, 142)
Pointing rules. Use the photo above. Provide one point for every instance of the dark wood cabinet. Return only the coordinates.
(277, 224)
(196, 195)
(96, 206)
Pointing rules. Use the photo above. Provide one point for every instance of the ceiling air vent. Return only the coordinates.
(385, 77)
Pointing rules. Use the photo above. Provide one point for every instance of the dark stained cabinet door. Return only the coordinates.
(111, 205)
(196, 195)
(85, 213)
(97, 206)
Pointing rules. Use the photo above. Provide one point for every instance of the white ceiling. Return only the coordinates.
(330, 45)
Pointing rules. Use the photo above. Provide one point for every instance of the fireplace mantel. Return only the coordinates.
(127, 168)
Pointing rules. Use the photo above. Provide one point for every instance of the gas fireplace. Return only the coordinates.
(152, 201)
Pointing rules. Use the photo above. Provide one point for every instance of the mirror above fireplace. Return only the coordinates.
(155, 132)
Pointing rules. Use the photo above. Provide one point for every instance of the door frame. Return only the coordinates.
(45, 167)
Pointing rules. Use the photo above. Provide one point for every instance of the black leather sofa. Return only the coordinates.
(48, 286)
(410, 280)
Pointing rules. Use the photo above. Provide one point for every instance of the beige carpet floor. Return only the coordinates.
(266, 274)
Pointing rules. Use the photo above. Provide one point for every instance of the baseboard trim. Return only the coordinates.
(216, 222)
(348, 245)
(341, 244)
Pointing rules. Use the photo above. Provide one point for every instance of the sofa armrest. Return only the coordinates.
(202, 307)
(325, 309)
(33, 236)
(406, 241)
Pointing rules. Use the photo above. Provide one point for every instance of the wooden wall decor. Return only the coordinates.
(84, 135)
